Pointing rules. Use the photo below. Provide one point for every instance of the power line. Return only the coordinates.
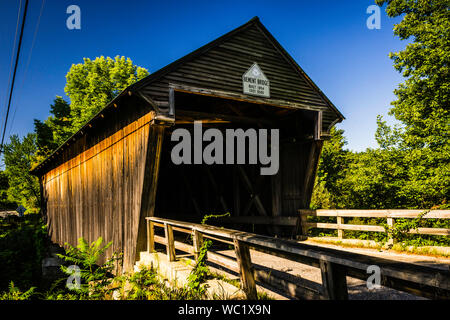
(14, 74)
(27, 65)
(12, 54)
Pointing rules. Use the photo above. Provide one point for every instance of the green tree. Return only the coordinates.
(372, 180)
(423, 100)
(333, 161)
(19, 157)
(5, 203)
(92, 84)
(56, 129)
(330, 171)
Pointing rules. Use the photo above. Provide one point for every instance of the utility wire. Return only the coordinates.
(14, 74)
(27, 65)
(12, 55)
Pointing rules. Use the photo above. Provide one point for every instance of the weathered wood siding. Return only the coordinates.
(298, 165)
(97, 191)
(103, 181)
(221, 68)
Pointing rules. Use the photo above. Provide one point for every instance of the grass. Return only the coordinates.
(427, 251)
(23, 243)
(262, 295)
(397, 247)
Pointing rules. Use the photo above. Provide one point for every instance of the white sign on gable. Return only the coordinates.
(255, 82)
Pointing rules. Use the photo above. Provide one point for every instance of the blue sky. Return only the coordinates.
(329, 40)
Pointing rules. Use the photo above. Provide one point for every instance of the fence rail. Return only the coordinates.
(335, 265)
(390, 216)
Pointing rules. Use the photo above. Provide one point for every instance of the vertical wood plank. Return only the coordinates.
(198, 242)
(255, 197)
(340, 220)
(150, 236)
(152, 155)
(334, 281)
(390, 223)
(171, 102)
(246, 271)
(310, 172)
(276, 201)
(317, 125)
(303, 226)
(170, 243)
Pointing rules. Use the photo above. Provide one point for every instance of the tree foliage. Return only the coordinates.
(19, 158)
(423, 100)
(56, 129)
(92, 84)
(5, 201)
(330, 172)
(410, 168)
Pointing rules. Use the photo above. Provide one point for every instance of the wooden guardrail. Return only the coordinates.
(335, 265)
(390, 216)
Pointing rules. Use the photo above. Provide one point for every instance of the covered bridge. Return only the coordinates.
(117, 169)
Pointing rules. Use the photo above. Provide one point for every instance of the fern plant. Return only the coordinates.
(144, 285)
(95, 280)
(14, 293)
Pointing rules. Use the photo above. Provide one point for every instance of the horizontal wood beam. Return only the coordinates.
(356, 227)
(244, 98)
(279, 221)
(431, 231)
(422, 280)
(384, 213)
(178, 245)
(181, 115)
(297, 288)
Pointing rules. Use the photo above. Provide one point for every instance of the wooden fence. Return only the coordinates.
(335, 265)
(389, 215)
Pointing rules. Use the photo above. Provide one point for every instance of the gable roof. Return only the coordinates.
(215, 43)
(159, 74)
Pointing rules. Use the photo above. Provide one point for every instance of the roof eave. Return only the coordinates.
(36, 170)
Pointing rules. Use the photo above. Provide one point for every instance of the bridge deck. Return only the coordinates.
(336, 265)
(357, 289)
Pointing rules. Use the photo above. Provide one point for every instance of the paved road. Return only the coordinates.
(357, 288)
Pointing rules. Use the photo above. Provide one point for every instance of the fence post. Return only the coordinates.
(304, 228)
(150, 236)
(170, 243)
(390, 223)
(340, 221)
(245, 269)
(198, 242)
(334, 281)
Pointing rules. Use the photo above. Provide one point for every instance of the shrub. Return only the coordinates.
(22, 247)
(95, 280)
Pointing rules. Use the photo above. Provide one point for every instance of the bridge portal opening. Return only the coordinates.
(189, 192)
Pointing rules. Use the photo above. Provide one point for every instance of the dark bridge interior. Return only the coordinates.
(190, 191)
